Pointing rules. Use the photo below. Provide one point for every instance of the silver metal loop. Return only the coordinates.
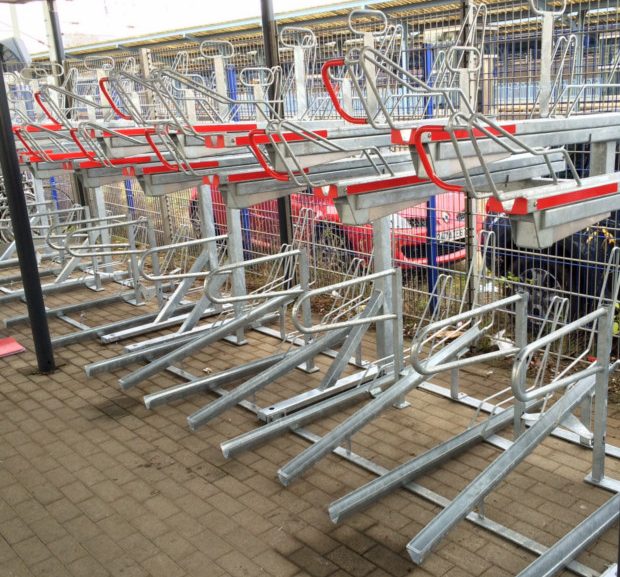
(297, 36)
(366, 13)
(105, 63)
(540, 12)
(214, 48)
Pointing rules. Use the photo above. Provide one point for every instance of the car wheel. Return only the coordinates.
(333, 252)
(541, 286)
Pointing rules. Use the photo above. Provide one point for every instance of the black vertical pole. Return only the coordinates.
(58, 46)
(16, 200)
(272, 57)
(59, 49)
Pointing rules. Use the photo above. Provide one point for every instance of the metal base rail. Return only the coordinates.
(567, 548)
(197, 343)
(420, 546)
(101, 331)
(294, 424)
(209, 383)
(288, 363)
(387, 398)
(365, 495)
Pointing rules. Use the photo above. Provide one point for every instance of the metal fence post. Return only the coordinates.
(129, 195)
(471, 204)
(431, 203)
(546, 57)
(301, 93)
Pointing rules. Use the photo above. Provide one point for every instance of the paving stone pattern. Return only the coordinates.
(93, 484)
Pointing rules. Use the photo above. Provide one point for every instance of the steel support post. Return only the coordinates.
(520, 338)
(24, 243)
(300, 81)
(164, 209)
(146, 65)
(309, 365)
(39, 197)
(602, 161)
(207, 222)
(96, 205)
(78, 187)
(472, 205)
(235, 254)
(221, 84)
(347, 95)
(57, 51)
(579, 24)
(132, 262)
(546, 63)
(382, 258)
(42, 216)
(602, 157)
(603, 354)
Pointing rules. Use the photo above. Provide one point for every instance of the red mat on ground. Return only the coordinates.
(9, 346)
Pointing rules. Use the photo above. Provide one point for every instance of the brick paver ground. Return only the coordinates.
(93, 484)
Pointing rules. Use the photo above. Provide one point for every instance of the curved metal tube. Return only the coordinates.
(210, 284)
(416, 347)
(76, 251)
(73, 223)
(308, 38)
(175, 246)
(522, 362)
(473, 49)
(224, 48)
(365, 12)
(539, 12)
(335, 287)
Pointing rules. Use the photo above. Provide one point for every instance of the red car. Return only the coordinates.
(338, 242)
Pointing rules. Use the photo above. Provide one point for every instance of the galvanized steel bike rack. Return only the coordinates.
(344, 324)
(515, 166)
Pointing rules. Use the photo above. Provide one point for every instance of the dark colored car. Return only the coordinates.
(573, 267)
